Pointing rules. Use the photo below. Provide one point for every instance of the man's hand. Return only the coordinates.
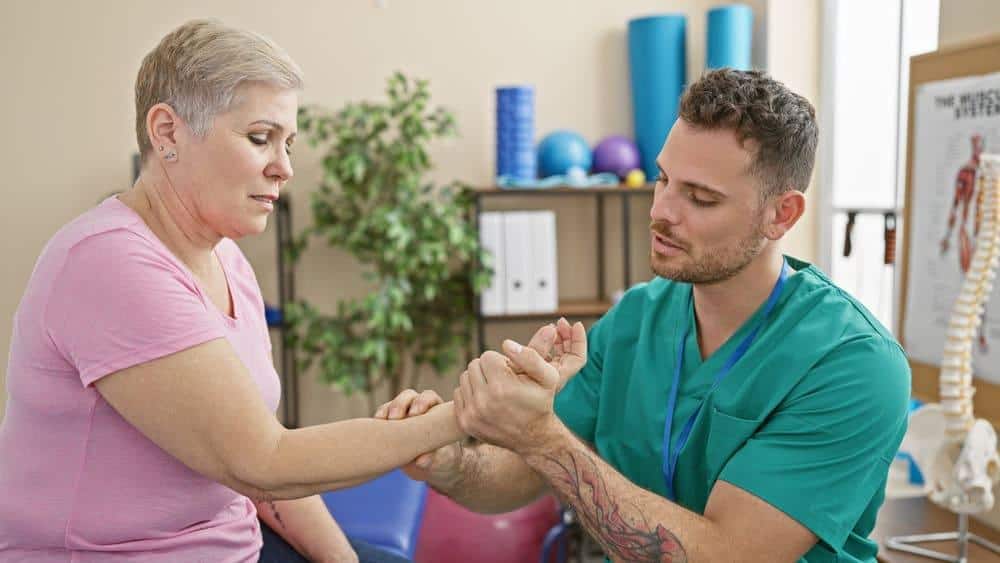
(438, 468)
(508, 400)
(563, 346)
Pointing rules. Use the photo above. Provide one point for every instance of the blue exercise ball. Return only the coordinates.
(561, 150)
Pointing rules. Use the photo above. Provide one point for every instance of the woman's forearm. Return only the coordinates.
(307, 525)
(310, 460)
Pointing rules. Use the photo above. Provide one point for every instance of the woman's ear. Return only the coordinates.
(161, 126)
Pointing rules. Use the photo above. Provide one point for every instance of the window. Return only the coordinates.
(865, 80)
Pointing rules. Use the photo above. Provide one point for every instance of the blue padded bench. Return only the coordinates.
(385, 512)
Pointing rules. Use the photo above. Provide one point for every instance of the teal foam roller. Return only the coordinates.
(658, 69)
(730, 37)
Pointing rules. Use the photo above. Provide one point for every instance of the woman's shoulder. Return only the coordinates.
(106, 233)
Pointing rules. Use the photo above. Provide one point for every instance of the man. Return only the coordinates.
(738, 407)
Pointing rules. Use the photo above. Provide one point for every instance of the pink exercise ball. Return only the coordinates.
(450, 533)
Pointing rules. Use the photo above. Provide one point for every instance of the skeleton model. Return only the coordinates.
(966, 465)
(956, 452)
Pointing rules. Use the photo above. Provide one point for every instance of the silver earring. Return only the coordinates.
(170, 155)
(161, 148)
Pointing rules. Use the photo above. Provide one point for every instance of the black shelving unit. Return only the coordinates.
(587, 308)
(286, 294)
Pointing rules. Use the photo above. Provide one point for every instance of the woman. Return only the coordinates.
(140, 424)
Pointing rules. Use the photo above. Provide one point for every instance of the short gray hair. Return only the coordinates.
(197, 68)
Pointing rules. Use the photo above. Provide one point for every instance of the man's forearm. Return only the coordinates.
(632, 524)
(492, 480)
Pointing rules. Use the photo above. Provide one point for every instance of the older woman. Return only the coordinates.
(140, 424)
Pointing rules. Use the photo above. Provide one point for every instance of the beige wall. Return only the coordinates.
(67, 106)
(793, 56)
(963, 20)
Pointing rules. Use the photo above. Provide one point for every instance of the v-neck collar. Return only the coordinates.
(230, 319)
(693, 361)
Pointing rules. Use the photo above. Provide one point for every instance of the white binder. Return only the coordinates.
(530, 257)
(491, 237)
(519, 261)
(545, 286)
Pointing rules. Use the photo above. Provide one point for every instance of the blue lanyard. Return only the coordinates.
(670, 455)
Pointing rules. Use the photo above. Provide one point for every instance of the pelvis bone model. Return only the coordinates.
(956, 452)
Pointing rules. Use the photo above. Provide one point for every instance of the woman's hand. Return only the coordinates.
(438, 468)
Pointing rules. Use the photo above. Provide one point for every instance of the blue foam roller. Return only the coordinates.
(506, 125)
(524, 117)
(515, 132)
(511, 126)
(520, 156)
(515, 143)
(658, 69)
(517, 156)
(730, 36)
(516, 90)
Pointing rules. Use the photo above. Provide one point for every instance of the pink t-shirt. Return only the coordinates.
(77, 482)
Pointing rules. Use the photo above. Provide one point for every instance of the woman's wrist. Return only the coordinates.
(442, 424)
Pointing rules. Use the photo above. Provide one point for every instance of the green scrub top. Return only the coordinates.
(808, 419)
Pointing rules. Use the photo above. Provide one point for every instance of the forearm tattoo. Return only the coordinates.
(576, 473)
(277, 515)
(266, 499)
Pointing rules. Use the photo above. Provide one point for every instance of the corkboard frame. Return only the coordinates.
(981, 56)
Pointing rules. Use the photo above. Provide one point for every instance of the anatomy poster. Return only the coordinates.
(956, 121)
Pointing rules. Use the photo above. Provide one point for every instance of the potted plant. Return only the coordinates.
(415, 243)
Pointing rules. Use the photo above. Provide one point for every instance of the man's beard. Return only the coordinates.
(713, 265)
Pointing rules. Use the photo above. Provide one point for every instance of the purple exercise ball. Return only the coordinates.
(616, 154)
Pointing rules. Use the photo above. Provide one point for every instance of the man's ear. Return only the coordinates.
(786, 210)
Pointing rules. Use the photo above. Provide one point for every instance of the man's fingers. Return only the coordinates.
(543, 340)
(564, 334)
(458, 399)
(464, 384)
(578, 341)
(531, 363)
(575, 357)
(477, 379)
(494, 362)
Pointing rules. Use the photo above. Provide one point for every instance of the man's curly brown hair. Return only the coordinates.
(780, 124)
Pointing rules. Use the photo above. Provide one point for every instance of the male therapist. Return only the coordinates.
(738, 407)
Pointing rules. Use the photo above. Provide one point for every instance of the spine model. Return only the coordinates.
(955, 383)
(966, 466)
